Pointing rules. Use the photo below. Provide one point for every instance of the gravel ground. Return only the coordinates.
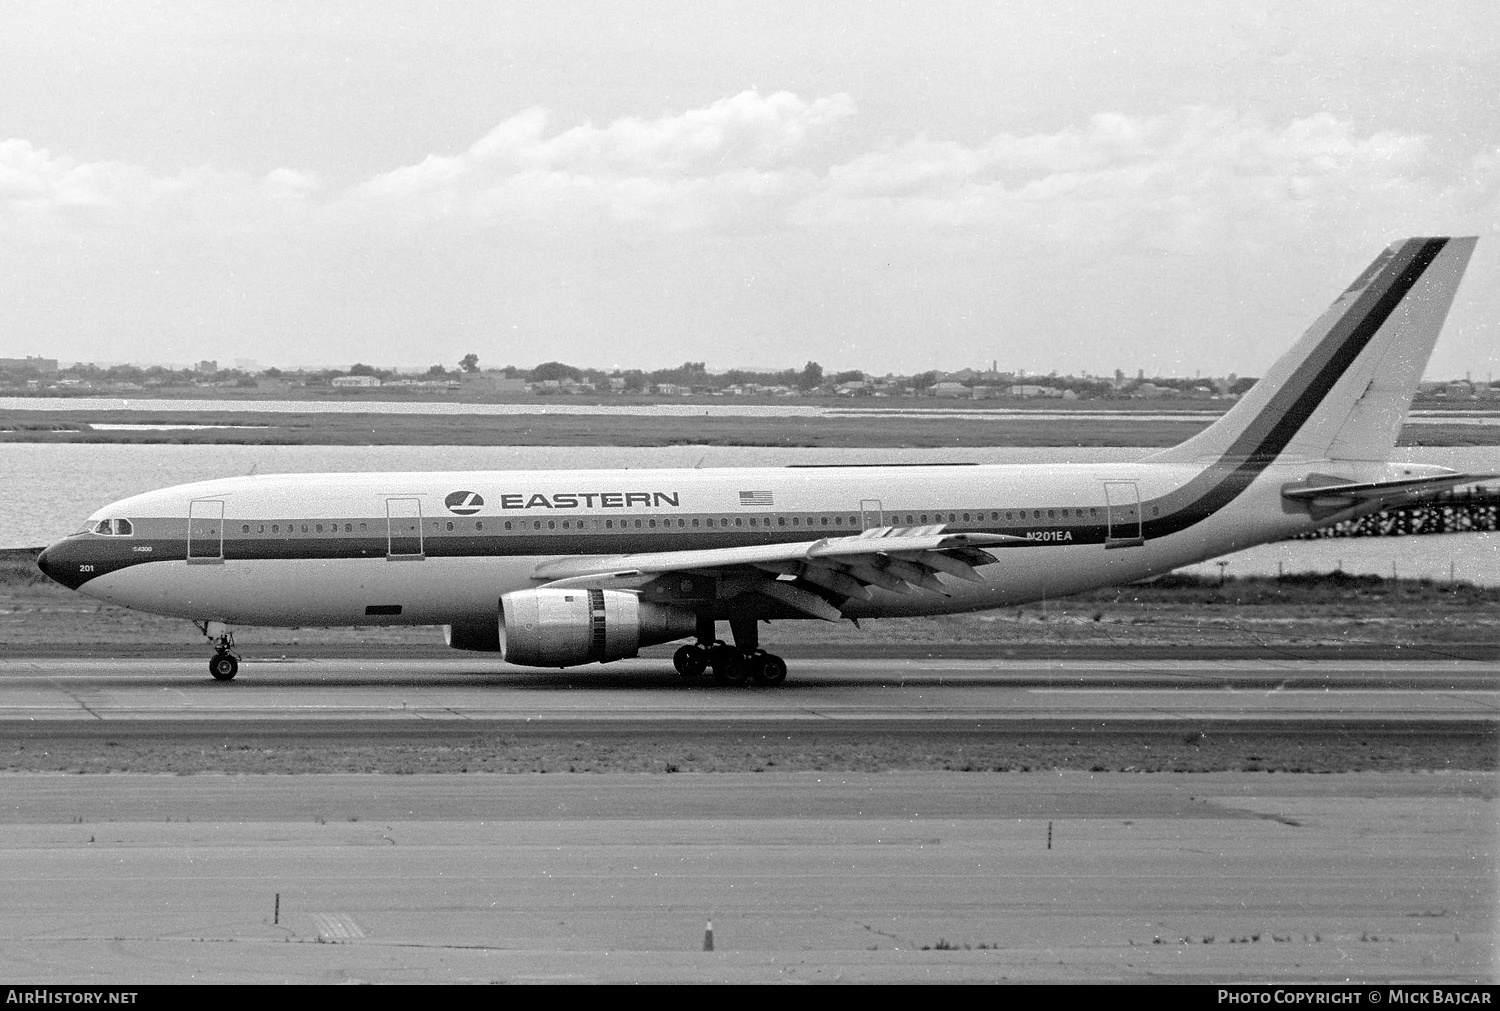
(1207, 746)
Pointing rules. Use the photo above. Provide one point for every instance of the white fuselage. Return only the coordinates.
(441, 548)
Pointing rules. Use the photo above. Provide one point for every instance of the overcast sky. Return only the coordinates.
(892, 186)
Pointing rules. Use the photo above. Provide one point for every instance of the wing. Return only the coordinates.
(810, 577)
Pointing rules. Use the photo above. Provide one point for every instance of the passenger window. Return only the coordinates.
(361, 528)
(304, 528)
(738, 522)
(245, 528)
(838, 521)
(536, 524)
(348, 528)
(695, 522)
(479, 524)
(966, 517)
(1052, 514)
(552, 524)
(794, 521)
(637, 524)
(275, 528)
(653, 524)
(507, 524)
(781, 521)
(320, 528)
(450, 524)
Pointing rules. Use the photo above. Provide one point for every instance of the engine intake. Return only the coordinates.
(562, 628)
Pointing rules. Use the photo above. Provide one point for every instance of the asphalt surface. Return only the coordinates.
(931, 691)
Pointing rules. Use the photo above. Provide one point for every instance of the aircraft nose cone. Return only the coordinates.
(58, 562)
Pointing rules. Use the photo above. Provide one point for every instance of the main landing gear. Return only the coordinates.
(732, 665)
(224, 665)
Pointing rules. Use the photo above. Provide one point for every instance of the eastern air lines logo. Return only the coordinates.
(464, 503)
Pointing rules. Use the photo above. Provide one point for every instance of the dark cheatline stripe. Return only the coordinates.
(1278, 423)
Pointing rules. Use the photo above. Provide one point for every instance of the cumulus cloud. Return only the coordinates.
(764, 163)
(682, 171)
(52, 196)
(1155, 181)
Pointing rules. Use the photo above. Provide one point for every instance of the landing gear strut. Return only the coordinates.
(224, 665)
(732, 665)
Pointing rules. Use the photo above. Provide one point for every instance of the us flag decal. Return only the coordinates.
(755, 498)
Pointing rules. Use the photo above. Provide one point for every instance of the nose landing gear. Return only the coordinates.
(224, 665)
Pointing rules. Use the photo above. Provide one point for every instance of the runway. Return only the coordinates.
(936, 692)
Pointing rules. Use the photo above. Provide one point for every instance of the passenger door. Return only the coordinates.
(403, 524)
(870, 512)
(1123, 499)
(205, 531)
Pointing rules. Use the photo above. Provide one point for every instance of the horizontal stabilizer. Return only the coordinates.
(1335, 493)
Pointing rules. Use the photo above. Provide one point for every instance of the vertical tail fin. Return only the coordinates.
(1343, 390)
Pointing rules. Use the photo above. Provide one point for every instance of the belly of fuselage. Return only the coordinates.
(287, 592)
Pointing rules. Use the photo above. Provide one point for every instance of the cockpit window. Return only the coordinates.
(121, 528)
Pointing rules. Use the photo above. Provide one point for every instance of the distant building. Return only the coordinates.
(45, 366)
(206, 367)
(1030, 390)
(491, 382)
(950, 390)
(1152, 391)
(355, 381)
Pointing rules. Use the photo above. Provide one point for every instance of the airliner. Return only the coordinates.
(562, 568)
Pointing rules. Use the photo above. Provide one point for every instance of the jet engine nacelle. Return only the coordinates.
(561, 628)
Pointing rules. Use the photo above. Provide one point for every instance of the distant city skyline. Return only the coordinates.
(413, 368)
(896, 188)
